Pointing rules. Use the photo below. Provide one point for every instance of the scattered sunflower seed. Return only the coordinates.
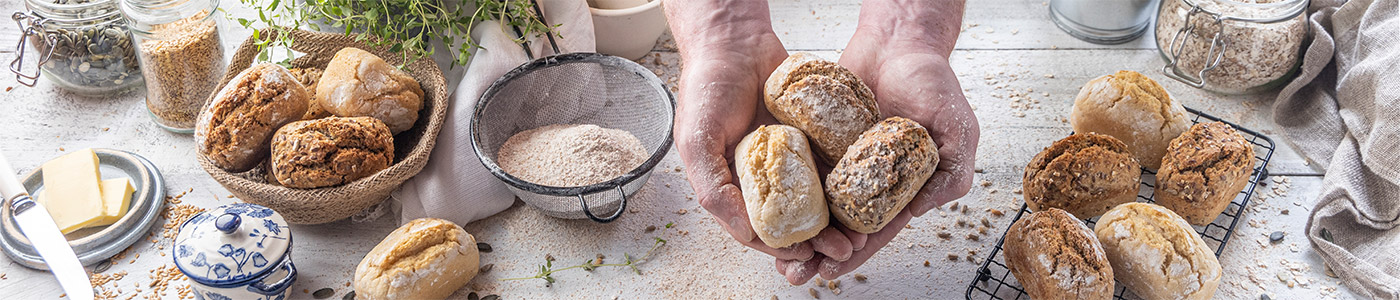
(1276, 236)
(483, 247)
(323, 293)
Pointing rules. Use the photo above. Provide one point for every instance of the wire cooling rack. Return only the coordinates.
(994, 280)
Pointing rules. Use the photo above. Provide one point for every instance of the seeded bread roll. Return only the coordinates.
(310, 77)
(782, 192)
(357, 83)
(1085, 174)
(1134, 109)
(881, 173)
(235, 128)
(1156, 254)
(1203, 171)
(330, 151)
(1055, 256)
(424, 259)
(823, 99)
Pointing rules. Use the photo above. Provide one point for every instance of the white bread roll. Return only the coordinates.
(425, 259)
(1156, 253)
(781, 189)
(1134, 109)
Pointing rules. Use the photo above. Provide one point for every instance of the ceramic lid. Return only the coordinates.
(231, 244)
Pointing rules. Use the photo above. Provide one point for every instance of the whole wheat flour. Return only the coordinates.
(566, 155)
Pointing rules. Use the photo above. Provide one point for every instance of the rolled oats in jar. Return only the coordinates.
(182, 56)
(1231, 46)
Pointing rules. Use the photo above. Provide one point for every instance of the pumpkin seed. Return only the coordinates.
(473, 296)
(349, 296)
(483, 247)
(491, 297)
(102, 266)
(1276, 236)
(323, 293)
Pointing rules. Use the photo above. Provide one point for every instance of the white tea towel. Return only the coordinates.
(454, 185)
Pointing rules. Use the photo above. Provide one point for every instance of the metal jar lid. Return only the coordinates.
(232, 244)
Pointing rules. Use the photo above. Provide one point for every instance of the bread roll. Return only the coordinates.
(1134, 109)
(1203, 171)
(826, 101)
(309, 77)
(782, 192)
(881, 173)
(424, 259)
(357, 83)
(236, 126)
(1055, 256)
(1085, 174)
(330, 151)
(1156, 254)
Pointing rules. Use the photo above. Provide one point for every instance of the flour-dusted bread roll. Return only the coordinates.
(881, 173)
(1055, 256)
(357, 83)
(424, 259)
(781, 189)
(823, 99)
(1085, 174)
(235, 128)
(330, 151)
(1134, 109)
(1204, 170)
(1156, 254)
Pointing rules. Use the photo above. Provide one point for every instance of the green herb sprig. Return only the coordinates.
(407, 27)
(547, 270)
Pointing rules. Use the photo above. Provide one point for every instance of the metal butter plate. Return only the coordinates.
(93, 245)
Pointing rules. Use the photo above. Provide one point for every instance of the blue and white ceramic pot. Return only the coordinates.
(236, 251)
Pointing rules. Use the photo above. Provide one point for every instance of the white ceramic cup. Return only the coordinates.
(627, 28)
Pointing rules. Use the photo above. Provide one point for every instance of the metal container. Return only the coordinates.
(180, 46)
(236, 251)
(82, 46)
(1232, 46)
(1102, 21)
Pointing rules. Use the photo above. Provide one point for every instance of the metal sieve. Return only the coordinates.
(576, 88)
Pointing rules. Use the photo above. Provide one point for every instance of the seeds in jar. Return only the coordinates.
(183, 63)
(99, 56)
(1255, 53)
(570, 155)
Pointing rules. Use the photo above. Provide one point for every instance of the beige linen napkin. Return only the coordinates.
(1343, 111)
(454, 185)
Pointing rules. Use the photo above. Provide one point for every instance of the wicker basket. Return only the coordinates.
(328, 204)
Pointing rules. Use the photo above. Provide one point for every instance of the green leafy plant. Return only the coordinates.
(408, 27)
(547, 270)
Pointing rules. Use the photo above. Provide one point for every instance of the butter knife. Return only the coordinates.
(38, 226)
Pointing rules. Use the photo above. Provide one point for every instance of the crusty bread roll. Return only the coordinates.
(1205, 168)
(1156, 254)
(782, 192)
(881, 173)
(330, 151)
(236, 127)
(357, 83)
(823, 99)
(424, 259)
(1085, 174)
(1134, 109)
(1055, 256)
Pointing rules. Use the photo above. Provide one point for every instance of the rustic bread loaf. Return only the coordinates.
(1134, 109)
(1205, 168)
(330, 151)
(424, 259)
(781, 189)
(1156, 254)
(881, 173)
(357, 83)
(1055, 256)
(235, 127)
(826, 101)
(310, 77)
(1085, 174)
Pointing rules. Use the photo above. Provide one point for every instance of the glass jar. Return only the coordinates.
(1102, 21)
(179, 44)
(84, 45)
(1232, 46)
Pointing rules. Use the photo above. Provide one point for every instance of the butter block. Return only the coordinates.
(116, 198)
(72, 190)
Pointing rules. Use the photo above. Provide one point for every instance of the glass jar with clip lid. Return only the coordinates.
(1232, 46)
(83, 46)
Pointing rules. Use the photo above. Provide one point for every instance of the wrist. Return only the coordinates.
(916, 24)
(702, 28)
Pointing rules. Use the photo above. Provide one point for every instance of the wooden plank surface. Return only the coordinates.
(700, 260)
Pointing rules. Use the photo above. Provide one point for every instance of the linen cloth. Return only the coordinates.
(454, 185)
(1343, 112)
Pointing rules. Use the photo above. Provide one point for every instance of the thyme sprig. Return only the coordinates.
(547, 270)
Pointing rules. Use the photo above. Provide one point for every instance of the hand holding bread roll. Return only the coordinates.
(1055, 256)
(1157, 254)
(782, 192)
(881, 173)
(1205, 168)
(425, 259)
(823, 99)
(1134, 109)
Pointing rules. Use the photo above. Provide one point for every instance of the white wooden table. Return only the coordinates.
(1007, 45)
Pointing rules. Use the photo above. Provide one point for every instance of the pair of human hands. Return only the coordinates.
(900, 50)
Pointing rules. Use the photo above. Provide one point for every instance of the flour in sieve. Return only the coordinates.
(565, 155)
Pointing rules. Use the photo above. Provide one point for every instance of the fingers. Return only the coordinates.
(857, 239)
(798, 272)
(832, 243)
(831, 268)
(726, 205)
